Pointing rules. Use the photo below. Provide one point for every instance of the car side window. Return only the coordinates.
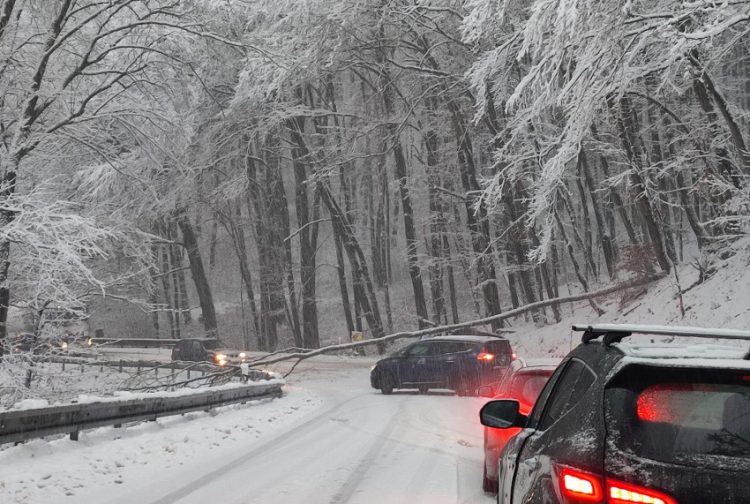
(449, 347)
(568, 391)
(419, 350)
(197, 346)
(543, 398)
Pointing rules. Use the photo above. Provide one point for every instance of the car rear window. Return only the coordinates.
(501, 350)
(680, 415)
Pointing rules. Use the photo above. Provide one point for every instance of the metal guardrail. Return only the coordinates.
(133, 342)
(205, 367)
(16, 426)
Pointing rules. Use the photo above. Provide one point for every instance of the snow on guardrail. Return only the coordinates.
(21, 425)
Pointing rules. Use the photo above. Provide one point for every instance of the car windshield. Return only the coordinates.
(385, 209)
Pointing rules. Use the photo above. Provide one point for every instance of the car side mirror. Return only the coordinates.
(502, 414)
(486, 391)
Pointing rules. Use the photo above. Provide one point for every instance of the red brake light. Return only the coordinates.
(580, 486)
(625, 493)
(513, 356)
(484, 356)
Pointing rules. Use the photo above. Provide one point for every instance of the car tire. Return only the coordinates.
(456, 384)
(488, 485)
(386, 385)
(423, 389)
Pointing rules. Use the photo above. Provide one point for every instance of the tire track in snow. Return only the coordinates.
(261, 450)
(350, 485)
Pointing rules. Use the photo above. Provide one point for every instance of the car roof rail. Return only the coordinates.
(614, 333)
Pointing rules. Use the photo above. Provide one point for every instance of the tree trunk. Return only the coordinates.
(400, 173)
(199, 274)
(271, 285)
(604, 237)
(340, 270)
(6, 218)
(360, 274)
(478, 222)
(573, 260)
(616, 198)
(307, 245)
(626, 129)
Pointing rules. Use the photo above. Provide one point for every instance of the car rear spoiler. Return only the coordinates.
(614, 333)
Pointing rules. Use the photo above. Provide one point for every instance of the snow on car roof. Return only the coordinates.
(689, 331)
(676, 351)
(468, 337)
(549, 362)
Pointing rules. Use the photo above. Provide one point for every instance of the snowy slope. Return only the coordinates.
(721, 301)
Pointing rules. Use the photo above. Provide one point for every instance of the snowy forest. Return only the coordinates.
(286, 172)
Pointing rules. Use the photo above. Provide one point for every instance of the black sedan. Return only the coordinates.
(459, 363)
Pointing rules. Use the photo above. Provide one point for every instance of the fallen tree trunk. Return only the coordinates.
(464, 325)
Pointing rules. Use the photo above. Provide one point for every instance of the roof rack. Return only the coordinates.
(614, 333)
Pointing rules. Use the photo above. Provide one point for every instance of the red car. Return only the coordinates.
(524, 385)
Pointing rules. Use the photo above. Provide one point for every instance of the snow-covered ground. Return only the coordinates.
(330, 439)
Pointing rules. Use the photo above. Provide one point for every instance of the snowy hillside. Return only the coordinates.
(720, 301)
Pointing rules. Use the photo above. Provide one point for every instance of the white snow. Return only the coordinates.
(740, 364)
(28, 404)
(680, 351)
(720, 302)
(330, 439)
(664, 330)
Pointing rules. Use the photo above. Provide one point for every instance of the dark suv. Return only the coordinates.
(620, 423)
(460, 363)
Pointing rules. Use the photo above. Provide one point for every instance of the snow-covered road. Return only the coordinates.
(331, 439)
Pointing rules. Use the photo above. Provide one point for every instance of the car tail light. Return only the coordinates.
(513, 356)
(625, 493)
(581, 486)
(485, 356)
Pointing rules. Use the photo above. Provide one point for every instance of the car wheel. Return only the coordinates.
(386, 385)
(456, 384)
(488, 485)
(423, 389)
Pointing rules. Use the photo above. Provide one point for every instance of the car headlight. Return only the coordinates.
(64, 345)
(373, 367)
(243, 355)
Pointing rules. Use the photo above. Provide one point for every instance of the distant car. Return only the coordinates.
(621, 423)
(459, 363)
(524, 386)
(207, 350)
